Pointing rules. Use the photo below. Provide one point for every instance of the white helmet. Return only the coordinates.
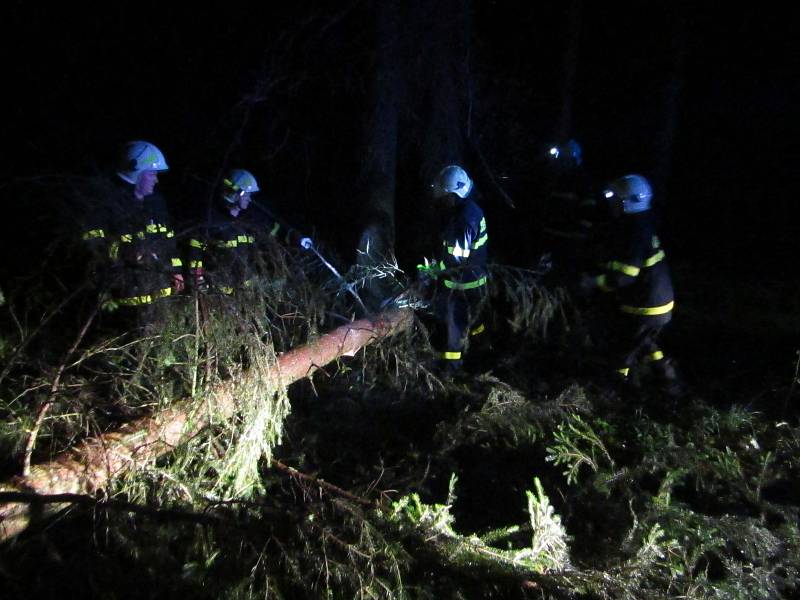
(238, 182)
(634, 191)
(138, 157)
(452, 180)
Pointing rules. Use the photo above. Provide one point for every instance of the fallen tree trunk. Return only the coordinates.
(88, 468)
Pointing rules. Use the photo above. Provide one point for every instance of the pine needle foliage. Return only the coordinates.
(577, 444)
(534, 306)
(629, 500)
(548, 550)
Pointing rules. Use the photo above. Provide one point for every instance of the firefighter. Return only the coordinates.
(636, 273)
(224, 255)
(130, 235)
(459, 270)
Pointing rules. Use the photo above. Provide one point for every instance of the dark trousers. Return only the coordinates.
(457, 315)
(633, 341)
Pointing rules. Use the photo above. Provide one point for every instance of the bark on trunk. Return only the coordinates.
(444, 29)
(673, 88)
(379, 171)
(569, 72)
(88, 468)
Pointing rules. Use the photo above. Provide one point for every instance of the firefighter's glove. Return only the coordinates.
(177, 283)
(426, 279)
(107, 303)
(428, 270)
(200, 283)
(202, 286)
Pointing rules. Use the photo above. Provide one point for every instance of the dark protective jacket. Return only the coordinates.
(461, 275)
(570, 204)
(570, 222)
(636, 268)
(133, 246)
(464, 248)
(226, 250)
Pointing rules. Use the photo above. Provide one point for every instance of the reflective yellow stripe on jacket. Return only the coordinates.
(632, 270)
(455, 285)
(648, 311)
(93, 234)
(145, 299)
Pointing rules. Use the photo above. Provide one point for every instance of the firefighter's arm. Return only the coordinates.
(611, 279)
(294, 239)
(290, 236)
(456, 250)
(97, 235)
(196, 253)
(615, 274)
(619, 274)
(96, 240)
(175, 262)
(622, 268)
(280, 232)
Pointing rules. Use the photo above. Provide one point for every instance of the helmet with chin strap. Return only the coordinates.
(237, 183)
(138, 157)
(452, 180)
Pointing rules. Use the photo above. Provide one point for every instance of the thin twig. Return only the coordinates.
(196, 342)
(795, 381)
(24, 343)
(40, 414)
(321, 483)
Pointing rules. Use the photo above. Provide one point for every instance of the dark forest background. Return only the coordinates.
(697, 97)
(344, 111)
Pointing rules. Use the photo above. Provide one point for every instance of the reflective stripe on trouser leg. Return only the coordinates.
(478, 330)
(458, 319)
(456, 311)
(633, 339)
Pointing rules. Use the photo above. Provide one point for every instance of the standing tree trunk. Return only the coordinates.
(379, 172)
(443, 88)
(665, 139)
(421, 54)
(444, 28)
(569, 72)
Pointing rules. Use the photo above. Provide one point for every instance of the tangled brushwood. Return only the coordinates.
(376, 477)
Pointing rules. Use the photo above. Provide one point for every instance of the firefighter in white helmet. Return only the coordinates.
(225, 252)
(459, 268)
(131, 235)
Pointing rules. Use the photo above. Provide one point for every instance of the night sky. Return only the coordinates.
(282, 91)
